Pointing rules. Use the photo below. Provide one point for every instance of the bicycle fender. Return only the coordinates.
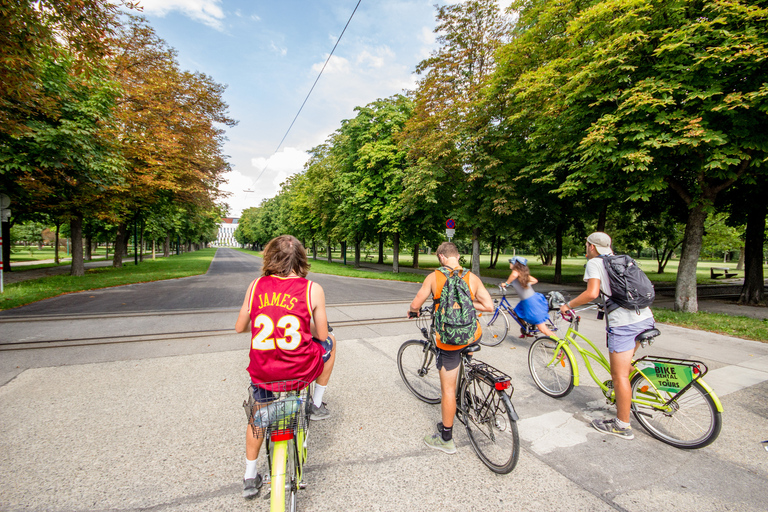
(512, 411)
(574, 366)
(712, 394)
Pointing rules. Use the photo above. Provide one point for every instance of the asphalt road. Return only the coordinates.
(131, 402)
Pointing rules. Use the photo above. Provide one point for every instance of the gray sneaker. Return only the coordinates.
(252, 487)
(319, 413)
(436, 441)
(610, 427)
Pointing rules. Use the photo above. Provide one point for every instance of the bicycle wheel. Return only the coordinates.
(490, 427)
(279, 480)
(495, 327)
(291, 478)
(552, 373)
(416, 362)
(556, 323)
(691, 421)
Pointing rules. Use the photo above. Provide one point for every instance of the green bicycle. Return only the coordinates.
(282, 420)
(669, 397)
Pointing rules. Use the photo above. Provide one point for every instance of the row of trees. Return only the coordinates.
(101, 130)
(632, 116)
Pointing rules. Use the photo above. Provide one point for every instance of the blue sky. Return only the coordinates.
(269, 54)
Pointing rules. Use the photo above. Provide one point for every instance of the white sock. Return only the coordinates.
(621, 424)
(250, 468)
(317, 397)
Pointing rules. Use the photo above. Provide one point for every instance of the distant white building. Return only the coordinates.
(226, 237)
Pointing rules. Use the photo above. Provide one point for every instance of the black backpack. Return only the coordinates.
(630, 287)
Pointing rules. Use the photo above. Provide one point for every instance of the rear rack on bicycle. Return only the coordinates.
(670, 373)
(491, 375)
(281, 409)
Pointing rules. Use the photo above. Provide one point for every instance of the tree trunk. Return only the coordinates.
(167, 246)
(492, 263)
(476, 251)
(56, 251)
(740, 264)
(381, 249)
(396, 253)
(330, 255)
(357, 252)
(314, 249)
(120, 245)
(88, 246)
(601, 219)
(415, 256)
(77, 268)
(344, 251)
(559, 253)
(154, 247)
(753, 291)
(686, 298)
(141, 243)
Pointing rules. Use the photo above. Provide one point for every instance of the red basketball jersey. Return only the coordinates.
(281, 341)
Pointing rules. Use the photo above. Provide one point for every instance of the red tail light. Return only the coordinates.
(503, 385)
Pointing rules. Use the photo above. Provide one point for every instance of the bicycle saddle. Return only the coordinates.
(647, 335)
(470, 349)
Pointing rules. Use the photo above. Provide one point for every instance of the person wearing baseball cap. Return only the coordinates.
(622, 325)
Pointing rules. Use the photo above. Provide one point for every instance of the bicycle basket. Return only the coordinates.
(278, 409)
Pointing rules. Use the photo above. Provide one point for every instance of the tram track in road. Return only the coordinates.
(6, 346)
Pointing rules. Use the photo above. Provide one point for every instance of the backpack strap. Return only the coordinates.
(441, 276)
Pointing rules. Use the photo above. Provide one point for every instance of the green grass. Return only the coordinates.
(737, 326)
(184, 265)
(20, 253)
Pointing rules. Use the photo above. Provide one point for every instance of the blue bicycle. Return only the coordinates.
(496, 325)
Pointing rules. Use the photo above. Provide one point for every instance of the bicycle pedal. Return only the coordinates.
(302, 485)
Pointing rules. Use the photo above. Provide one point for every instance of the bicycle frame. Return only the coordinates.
(570, 338)
(504, 305)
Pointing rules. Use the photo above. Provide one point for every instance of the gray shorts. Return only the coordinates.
(622, 338)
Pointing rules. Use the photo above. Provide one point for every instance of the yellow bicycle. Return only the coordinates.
(282, 419)
(669, 397)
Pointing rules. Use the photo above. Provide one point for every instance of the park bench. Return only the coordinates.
(725, 272)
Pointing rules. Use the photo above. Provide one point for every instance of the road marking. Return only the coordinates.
(729, 379)
(553, 430)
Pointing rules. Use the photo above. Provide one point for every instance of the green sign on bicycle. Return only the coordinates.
(666, 376)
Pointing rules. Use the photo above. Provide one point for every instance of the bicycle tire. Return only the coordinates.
(694, 423)
(495, 327)
(416, 363)
(291, 481)
(556, 379)
(278, 477)
(491, 429)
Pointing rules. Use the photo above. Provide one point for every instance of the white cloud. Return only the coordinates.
(206, 11)
(376, 59)
(277, 49)
(335, 65)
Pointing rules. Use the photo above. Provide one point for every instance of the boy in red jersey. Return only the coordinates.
(286, 313)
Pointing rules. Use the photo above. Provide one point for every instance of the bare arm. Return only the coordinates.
(590, 294)
(512, 276)
(244, 318)
(483, 301)
(319, 324)
(423, 294)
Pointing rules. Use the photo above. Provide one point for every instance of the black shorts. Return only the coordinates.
(449, 359)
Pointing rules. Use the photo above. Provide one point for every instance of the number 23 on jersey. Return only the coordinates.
(264, 340)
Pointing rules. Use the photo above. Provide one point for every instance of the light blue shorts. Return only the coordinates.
(622, 338)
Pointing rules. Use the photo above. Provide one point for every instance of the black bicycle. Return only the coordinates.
(483, 395)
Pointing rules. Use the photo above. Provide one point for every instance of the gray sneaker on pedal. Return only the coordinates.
(612, 428)
(319, 413)
(252, 487)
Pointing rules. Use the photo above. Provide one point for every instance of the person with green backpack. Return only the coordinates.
(458, 294)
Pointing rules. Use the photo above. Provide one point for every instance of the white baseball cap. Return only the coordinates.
(601, 241)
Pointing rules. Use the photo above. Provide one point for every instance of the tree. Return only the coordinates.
(680, 90)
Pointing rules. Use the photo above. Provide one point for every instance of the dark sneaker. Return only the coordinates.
(610, 427)
(436, 441)
(252, 487)
(319, 413)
